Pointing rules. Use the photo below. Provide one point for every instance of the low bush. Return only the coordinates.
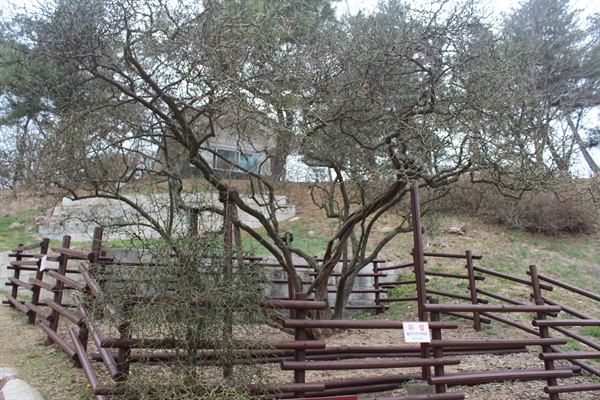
(207, 304)
(570, 207)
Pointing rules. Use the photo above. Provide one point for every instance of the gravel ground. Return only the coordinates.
(15, 351)
(508, 390)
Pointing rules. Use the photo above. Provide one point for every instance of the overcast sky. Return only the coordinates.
(589, 7)
(353, 6)
(498, 6)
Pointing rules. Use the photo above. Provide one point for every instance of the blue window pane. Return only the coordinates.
(249, 161)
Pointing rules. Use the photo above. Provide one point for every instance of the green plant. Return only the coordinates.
(574, 345)
(462, 284)
(435, 268)
(406, 290)
(593, 331)
(205, 300)
(13, 229)
(362, 314)
(408, 382)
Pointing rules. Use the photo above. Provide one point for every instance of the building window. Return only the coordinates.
(227, 160)
(249, 161)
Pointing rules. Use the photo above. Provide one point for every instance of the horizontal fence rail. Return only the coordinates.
(63, 277)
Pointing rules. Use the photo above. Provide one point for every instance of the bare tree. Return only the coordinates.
(559, 67)
(377, 101)
(400, 104)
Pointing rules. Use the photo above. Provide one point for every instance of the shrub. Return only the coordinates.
(205, 302)
(569, 207)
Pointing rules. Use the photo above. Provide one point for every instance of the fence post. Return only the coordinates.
(544, 330)
(17, 275)
(96, 248)
(39, 275)
(300, 354)
(379, 309)
(418, 257)
(194, 214)
(58, 287)
(94, 263)
(228, 198)
(473, 288)
(438, 352)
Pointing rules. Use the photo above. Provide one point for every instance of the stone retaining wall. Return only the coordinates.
(79, 218)
(278, 290)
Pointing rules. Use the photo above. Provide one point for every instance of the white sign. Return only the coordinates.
(416, 332)
(43, 261)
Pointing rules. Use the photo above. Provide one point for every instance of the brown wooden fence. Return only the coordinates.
(65, 317)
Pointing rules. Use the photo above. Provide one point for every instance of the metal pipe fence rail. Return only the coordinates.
(42, 266)
(301, 355)
(577, 319)
(298, 351)
(376, 290)
(25, 260)
(540, 326)
(380, 289)
(305, 354)
(51, 275)
(429, 292)
(549, 373)
(423, 359)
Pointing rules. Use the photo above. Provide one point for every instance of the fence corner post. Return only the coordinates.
(300, 334)
(473, 289)
(544, 330)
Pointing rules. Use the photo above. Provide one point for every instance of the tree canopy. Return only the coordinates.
(106, 98)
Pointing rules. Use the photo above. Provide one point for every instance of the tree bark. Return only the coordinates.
(582, 147)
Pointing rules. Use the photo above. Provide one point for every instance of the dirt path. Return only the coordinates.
(45, 368)
(50, 371)
(19, 341)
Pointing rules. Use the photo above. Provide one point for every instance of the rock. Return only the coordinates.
(8, 373)
(17, 389)
(456, 230)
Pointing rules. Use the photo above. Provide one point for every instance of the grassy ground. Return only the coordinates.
(18, 213)
(46, 368)
(506, 251)
(13, 229)
(574, 259)
(563, 257)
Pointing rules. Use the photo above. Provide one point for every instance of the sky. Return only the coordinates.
(353, 6)
(589, 7)
(498, 6)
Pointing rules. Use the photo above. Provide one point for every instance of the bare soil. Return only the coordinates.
(47, 368)
(12, 203)
(50, 371)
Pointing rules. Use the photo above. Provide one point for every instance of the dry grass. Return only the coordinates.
(47, 368)
(575, 259)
